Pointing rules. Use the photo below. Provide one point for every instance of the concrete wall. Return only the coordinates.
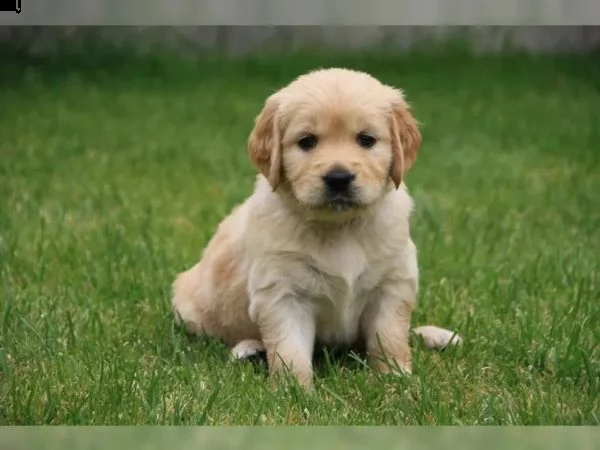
(304, 12)
(246, 39)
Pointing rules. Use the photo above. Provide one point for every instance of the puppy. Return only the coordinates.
(321, 251)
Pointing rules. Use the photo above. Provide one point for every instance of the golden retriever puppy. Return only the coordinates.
(321, 251)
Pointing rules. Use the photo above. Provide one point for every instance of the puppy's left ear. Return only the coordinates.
(406, 137)
(264, 143)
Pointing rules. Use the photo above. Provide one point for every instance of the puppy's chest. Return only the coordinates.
(344, 275)
(344, 268)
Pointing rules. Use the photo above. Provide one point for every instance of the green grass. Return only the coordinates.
(115, 171)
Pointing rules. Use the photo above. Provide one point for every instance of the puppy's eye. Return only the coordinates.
(365, 140)
(308, 142)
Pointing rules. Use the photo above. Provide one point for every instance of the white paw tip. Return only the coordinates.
(437, 338)
(247, 349)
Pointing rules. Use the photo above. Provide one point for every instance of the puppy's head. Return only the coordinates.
(335, 139)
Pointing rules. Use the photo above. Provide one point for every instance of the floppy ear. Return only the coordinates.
(406, 138)
(264, 143)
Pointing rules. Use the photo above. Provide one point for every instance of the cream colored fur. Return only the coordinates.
(288, 267)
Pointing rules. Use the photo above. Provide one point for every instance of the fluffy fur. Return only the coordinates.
(303, 259)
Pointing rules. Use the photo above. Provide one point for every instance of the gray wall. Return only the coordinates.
(245, 39)
(305, 12)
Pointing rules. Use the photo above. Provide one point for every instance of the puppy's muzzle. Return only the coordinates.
(339, 182)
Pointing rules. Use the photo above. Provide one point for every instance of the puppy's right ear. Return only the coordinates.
(406, 136)
(264, 143)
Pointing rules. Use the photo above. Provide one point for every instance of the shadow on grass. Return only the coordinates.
(328, 360)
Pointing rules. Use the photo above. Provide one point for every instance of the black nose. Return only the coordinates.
(338, 180)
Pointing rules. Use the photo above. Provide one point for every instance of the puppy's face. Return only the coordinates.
(335, 139)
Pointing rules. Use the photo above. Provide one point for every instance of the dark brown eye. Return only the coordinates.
(308, 142)
(365, 140)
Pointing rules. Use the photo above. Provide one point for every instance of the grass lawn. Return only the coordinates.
(115, 170)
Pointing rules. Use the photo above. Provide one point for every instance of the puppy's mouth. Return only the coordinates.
(341, 203)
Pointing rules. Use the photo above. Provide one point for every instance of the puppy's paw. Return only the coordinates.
(247, 349)
(289, 379)
(437, 338)
(386, 366)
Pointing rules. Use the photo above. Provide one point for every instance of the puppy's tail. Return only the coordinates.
(437, 338)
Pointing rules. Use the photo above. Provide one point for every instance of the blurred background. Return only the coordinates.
(235, 40)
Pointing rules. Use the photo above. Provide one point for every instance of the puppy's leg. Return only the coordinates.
(184, 301)
(287, 328)
(386, 327)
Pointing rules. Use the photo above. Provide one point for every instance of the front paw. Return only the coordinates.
(285, 378)
(391, 365)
